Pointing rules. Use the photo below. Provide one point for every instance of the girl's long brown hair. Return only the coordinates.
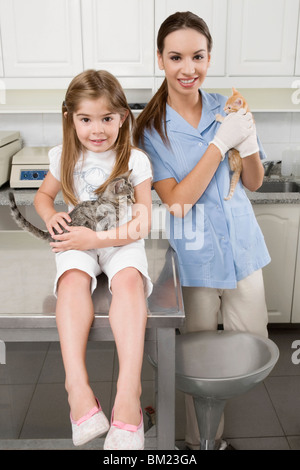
(92, 84)
(154, 114)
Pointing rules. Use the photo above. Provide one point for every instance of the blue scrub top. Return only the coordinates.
(218, 242)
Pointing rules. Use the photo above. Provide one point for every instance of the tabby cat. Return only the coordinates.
(235, 102)
(100, 214)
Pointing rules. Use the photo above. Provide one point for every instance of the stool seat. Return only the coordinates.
(214, 366)
(222, 363)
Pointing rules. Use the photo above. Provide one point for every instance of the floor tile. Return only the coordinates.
(23, 362)
(33, 400)
(260, 443)
(284, 339)
(14, 403)
(294, 442)
(251, 415)
(49, 413)
(285, 395)
(99, 361)
(48, 416)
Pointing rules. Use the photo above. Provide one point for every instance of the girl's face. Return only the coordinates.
(185, 60)
(97, 128)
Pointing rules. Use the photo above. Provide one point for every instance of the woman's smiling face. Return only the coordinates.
(185, 60)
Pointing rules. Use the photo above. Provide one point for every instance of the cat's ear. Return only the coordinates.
(119, 186)
(127, 174)
(238, 102)
(234, 90)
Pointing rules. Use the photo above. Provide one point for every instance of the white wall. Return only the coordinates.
(277, 130)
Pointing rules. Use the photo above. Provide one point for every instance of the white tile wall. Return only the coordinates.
(295, 128)
(277, 130)
(35, 129)
(52, 129)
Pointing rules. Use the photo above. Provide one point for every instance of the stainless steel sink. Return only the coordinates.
(279, 187)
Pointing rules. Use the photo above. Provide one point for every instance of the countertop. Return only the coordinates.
(24, 197)
(273, 198)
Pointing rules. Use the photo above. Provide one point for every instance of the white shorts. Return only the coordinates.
(107, 260)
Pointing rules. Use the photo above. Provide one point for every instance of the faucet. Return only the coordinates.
(268, 167)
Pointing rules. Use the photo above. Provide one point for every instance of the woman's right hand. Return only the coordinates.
(57, 219)
(234, 129)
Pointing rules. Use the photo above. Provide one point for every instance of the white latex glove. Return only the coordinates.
(233, 130)
(249, 145)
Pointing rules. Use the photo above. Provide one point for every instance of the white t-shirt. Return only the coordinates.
(93, 169)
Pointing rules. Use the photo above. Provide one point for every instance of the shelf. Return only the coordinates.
(49, 101)
(266, 100)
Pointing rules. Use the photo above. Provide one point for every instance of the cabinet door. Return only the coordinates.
(118, 36)
(262, 37)
(213, 12)
(2, 84)
(41, 38)
(296, 300)
(279, 224)
(297, 66)
(1, 60)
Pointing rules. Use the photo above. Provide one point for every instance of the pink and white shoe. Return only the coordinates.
(91, 425)
(123, 436)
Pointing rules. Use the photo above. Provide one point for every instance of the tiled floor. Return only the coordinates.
(268, 416)
(33, 402)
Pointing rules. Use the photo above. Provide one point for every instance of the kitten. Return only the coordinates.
(101, 214)
(232, 105)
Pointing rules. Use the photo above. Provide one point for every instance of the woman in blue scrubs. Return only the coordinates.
(219, 244)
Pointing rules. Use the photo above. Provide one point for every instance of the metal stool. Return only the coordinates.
(214, 366)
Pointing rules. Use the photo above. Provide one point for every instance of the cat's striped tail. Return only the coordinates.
(234, 182)
(23, 223)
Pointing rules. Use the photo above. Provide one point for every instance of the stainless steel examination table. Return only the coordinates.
(27, 306)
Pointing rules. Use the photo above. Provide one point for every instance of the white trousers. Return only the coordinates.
(243, 309)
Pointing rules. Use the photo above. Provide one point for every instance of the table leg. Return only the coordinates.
(2, 352)
(165, 388)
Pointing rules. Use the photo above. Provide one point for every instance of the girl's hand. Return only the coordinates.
(56, 219)
(78, 238)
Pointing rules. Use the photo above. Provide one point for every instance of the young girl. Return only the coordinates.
(221, 249)
(96, 148)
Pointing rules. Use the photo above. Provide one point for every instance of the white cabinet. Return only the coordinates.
(118, 36)
(296, 299)
(214, 13)
(41, 38)
(262, 37)
(297, 65)
(1, 60)
(47, 42)
(280, 226)
(60, 38)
